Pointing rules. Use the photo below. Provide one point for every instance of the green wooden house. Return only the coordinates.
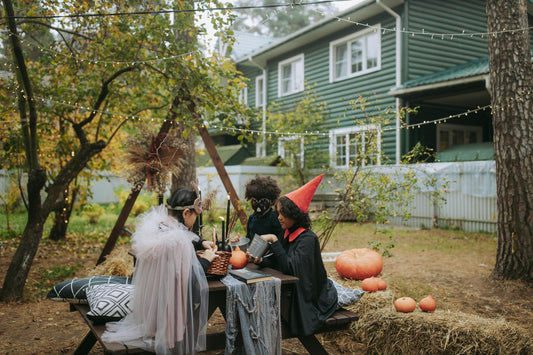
(426, 54)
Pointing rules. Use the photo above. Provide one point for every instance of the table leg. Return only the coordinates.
(311, 343)
(86, 344)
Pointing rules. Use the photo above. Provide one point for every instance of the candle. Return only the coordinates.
(200, 219)
(214, 235)
(223, 236)
(227, 217)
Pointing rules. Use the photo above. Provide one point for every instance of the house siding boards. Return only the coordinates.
(374, 86)
(421, 55)
(424, 54)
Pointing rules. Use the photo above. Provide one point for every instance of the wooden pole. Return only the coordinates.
(126, 209)
(219, 165)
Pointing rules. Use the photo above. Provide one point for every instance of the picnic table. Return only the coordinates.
(217, 299)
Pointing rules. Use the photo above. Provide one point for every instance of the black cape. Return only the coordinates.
(263, 224)
(314, 298)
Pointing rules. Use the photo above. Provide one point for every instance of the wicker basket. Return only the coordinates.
(220, 265)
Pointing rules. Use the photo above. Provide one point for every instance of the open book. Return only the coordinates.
(250, 276)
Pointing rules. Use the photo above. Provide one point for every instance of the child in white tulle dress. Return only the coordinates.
(170, 296)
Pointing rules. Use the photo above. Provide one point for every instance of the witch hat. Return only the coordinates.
(302, 196)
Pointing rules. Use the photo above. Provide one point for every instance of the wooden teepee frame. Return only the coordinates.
(135, 190)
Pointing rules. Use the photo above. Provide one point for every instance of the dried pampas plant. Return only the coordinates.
(153, 158)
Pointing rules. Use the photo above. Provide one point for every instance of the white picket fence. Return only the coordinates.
(470, 200)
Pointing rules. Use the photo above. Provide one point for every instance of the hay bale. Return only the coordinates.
(117, 263)
(385, 331)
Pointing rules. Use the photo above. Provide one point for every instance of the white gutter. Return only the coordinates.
(398, 71)
(262, 152)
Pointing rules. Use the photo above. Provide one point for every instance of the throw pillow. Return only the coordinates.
(347, 296)
(74, 290)
(109, 302)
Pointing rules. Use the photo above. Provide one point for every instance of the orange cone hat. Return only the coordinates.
(302, 197)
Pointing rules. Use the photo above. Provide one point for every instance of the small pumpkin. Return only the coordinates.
(427, 304)
(238, 258)
(359, 264)
(370, 284)
(382, 285)
(405, 304)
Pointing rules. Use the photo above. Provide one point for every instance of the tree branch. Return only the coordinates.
(104, 91)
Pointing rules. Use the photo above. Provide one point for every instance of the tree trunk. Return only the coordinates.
(20, 265)
(511, 82)
(62, 213)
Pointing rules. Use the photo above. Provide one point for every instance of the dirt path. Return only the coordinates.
(454, 267)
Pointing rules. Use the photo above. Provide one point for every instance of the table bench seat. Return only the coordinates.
(340, 320)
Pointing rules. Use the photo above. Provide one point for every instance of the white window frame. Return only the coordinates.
(346, 131)
(297, 75)
(347, 40)
(299, 155)
(259, 91)
(243, 96)
(456, 127)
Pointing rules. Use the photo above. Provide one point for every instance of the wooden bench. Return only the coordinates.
(340, 320)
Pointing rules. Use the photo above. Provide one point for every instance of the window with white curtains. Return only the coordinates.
(355, 146)
(355, 54)
(259, 91)
(291, 149)
(291, 75)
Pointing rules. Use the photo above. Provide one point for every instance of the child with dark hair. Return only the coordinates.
(297, 253)
(263, 193)
(170, 300)
(181, 205)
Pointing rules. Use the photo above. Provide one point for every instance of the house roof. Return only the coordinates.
(467, 152)
(229, 154)
(360, 12)
(248, 43)
(476, 70)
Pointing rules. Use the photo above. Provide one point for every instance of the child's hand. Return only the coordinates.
(251, 259)
(271, 238)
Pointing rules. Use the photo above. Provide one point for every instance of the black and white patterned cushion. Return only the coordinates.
(109, 302)
(74, 290)
(347, 296)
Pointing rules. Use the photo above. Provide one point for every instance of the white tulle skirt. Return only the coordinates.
(170, 290)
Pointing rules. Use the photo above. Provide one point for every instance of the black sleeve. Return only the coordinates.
(198, 244)
(249, 234)
(205, 263)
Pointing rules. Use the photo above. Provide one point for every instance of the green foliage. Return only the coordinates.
(144, 201)
(93, 211)
(368, 192)
(307, 115)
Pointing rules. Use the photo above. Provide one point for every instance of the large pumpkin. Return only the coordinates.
(359, 264)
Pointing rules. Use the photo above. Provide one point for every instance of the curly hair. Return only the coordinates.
(181, 197)
(290, 210)
(262, 187)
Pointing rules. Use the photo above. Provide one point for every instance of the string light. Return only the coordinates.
(292, 4)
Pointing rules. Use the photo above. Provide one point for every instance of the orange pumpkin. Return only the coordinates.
(359, 264)
(405, 304)
(370, 284)
(238, 258)
(382, 285)
(427, 304)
